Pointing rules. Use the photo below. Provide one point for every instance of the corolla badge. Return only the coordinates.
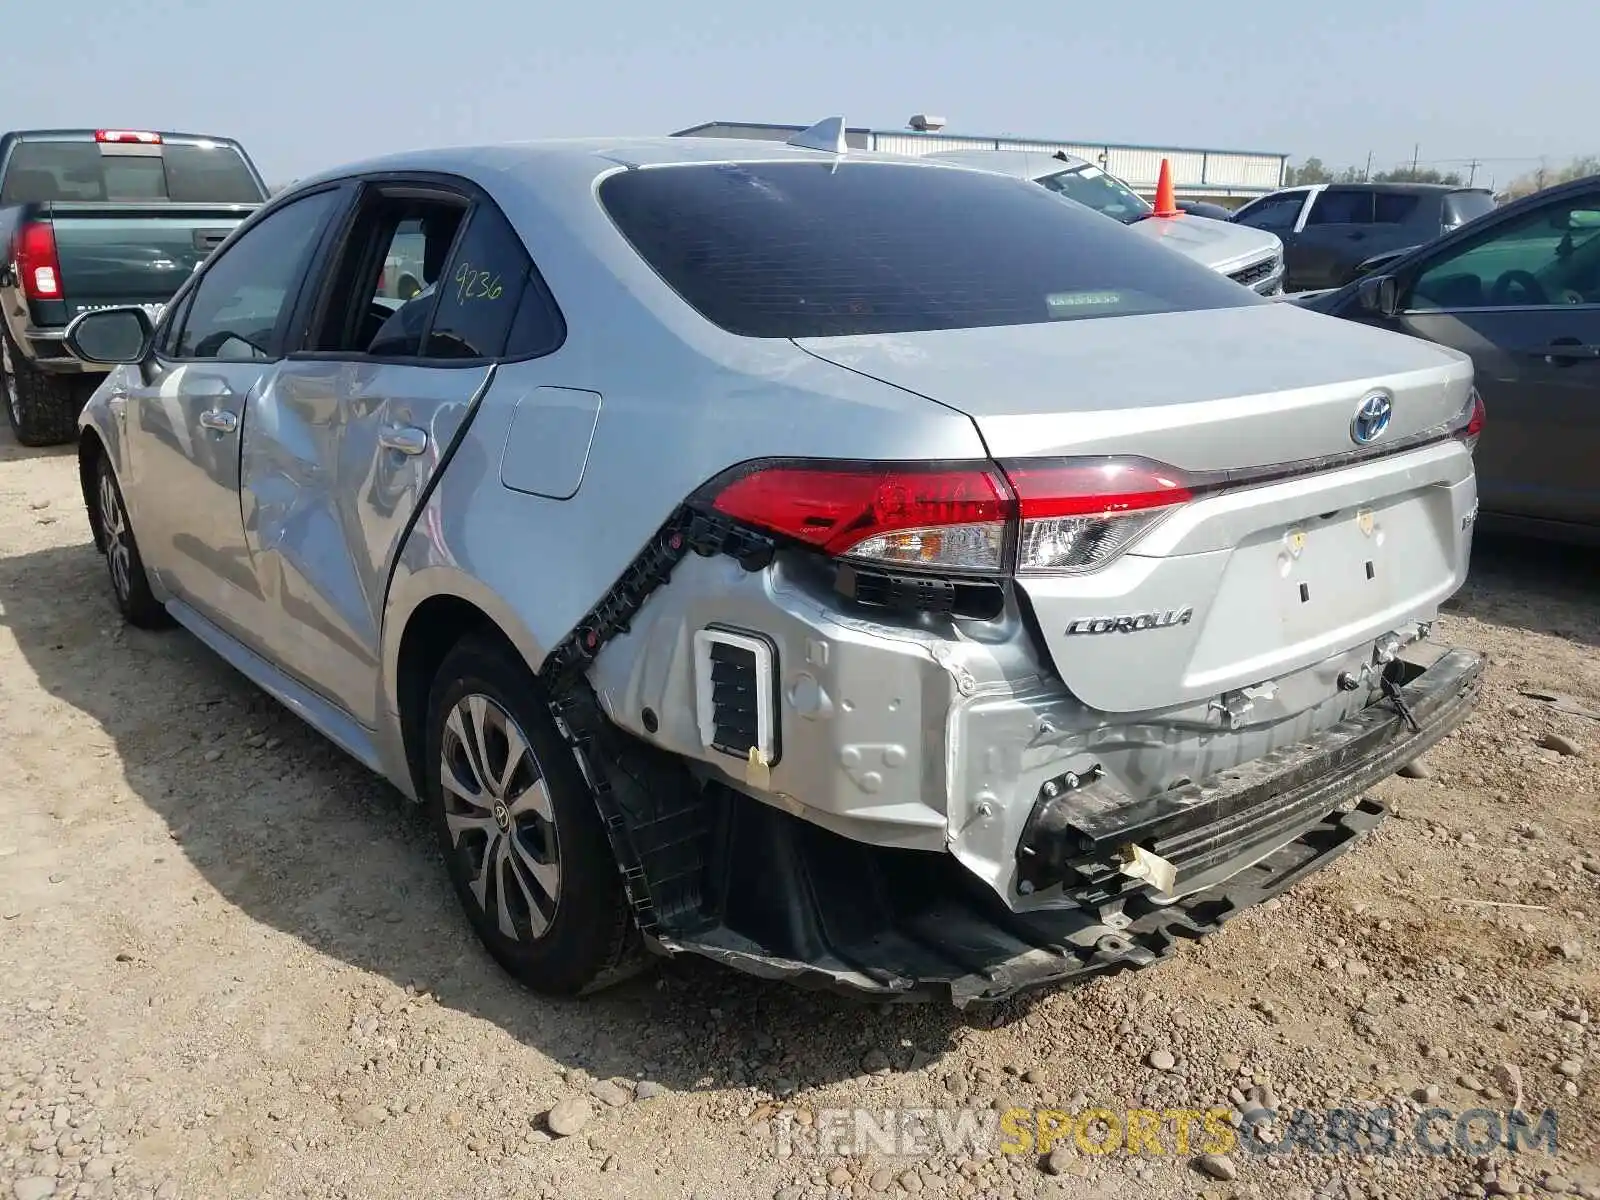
(1372, 418)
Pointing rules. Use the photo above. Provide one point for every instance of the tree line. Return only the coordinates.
(1312, 170)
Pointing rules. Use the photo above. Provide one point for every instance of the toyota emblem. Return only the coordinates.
(1371, 419)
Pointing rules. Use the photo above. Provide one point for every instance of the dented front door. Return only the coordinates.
(335, 462)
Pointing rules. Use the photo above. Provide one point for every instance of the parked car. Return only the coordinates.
(95, 219)
(851, 569)
(1255, 260)
(1519, 291)
(1330, 230)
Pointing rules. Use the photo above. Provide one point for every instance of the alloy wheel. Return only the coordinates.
(498, 812)
(114, 526)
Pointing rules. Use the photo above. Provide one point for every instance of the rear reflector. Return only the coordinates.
(34, 252)
(1064, 515)
(127, 136)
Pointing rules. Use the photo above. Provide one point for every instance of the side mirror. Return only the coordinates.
(110, 336)
(1379, 294)
(1576, 220)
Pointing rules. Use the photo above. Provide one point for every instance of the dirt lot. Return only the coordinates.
(230, 964)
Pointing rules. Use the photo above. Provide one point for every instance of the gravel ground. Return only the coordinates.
(230, 964)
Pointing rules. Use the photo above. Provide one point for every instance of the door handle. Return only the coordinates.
(1564, 350)
(406, 439)
(219, 419)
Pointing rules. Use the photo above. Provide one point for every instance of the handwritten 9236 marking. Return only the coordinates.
(472, 284)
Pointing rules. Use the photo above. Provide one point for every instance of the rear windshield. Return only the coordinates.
(185, 174)
(1461, 207)
(809, 249)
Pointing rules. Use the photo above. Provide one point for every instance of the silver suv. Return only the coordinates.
(1253, 257)
(854, 570)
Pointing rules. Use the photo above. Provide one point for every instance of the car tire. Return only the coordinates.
(518, 827)
(41, 408)
(130, 586)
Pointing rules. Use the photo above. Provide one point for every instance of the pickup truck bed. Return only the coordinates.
(100, 219)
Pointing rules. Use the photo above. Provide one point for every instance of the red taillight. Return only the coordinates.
(1066, 515)
(953, 516)
(1087, 487)
(35, 256)
(1478, 418)
(134, 136)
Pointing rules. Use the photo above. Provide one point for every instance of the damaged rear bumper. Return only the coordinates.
(782, 898)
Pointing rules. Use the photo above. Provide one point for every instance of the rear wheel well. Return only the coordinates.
(432, 631)
(90, 451)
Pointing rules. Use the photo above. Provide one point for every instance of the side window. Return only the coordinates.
(238, 308)
(1336, 207)
(387, 280)
(1394, 208)
(1277, 213)
(1548, 256)
(490, 293)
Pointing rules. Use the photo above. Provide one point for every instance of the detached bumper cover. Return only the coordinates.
(783, 899)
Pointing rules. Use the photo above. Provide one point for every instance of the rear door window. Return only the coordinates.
(1336, 206)
(1461, 207)
(1394, 208)
(812, 249)
(41, 171)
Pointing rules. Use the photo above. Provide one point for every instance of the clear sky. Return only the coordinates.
(311, 83)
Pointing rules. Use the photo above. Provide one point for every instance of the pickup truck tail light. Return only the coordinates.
(34, 253)
(1034, 516)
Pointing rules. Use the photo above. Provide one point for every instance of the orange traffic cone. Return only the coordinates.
(1166, 196)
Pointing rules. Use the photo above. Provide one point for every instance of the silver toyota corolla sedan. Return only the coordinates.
(867, 572)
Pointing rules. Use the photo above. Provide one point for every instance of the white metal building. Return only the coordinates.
(1196, 174)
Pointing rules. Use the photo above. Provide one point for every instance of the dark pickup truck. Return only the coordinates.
(91, 219)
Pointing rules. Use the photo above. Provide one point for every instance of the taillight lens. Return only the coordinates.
(1077, 514)
(911, 515)
(1063, 515)
(1473, 418)
(37, 266)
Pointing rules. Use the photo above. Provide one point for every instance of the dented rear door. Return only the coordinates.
(336, 459)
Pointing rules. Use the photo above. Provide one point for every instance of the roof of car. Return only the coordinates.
(602, 153)
(1407, 187)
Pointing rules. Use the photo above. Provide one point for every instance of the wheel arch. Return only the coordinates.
(429, 619)
(91, 452)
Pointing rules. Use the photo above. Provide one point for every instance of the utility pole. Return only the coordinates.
(1416, 149)
(1472, 173)
(1366, 176)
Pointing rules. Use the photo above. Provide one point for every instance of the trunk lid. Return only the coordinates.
(1250, 580)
